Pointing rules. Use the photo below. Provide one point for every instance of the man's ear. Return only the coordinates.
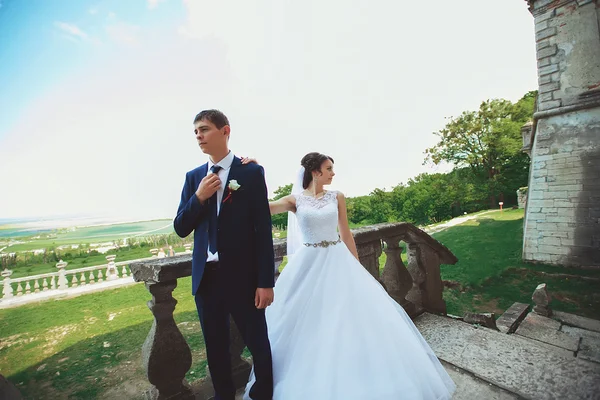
(226, 130)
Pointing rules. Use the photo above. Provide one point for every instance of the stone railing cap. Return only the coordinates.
(162, 269)
(406, 232)
(179, 266)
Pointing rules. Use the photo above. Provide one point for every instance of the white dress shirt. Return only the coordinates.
(223, 174)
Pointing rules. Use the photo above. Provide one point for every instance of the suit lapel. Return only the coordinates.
(203, 170)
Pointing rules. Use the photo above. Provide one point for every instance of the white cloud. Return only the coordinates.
(152, 4)
(112, 15)
(124, 33)
(93, 11)
(71, 30)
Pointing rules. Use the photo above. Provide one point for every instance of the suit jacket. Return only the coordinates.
(244, 239)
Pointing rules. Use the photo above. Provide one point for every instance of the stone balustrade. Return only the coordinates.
(416, 286)
(64, 279)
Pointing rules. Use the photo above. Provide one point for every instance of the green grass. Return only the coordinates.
(56, 349)
(493, 276)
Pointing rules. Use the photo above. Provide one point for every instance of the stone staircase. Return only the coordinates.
(530, 357)
(545, 358)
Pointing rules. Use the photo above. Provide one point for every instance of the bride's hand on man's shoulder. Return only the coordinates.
(248, 160)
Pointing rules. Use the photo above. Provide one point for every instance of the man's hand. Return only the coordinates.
(207, 187)
(263, 298)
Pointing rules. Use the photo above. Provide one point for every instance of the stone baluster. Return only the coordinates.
(82, 279)
(395, 277)
(19, 289)
(188, 247)
(424, 267)
(27, 288)
(74, 281)
(44, 284)
(100, 276)
(92, 277)
(52, 282)
(62, 275)
(36, 286)
(111, 269)
(7, 290)
(368, 254)
(124, 272)
(154, 253)
(166, 355)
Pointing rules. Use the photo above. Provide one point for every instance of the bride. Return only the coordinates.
(335, 333)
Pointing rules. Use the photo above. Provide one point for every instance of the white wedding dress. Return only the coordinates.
(335, 333)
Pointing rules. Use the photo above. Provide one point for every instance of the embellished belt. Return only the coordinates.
(324, 243)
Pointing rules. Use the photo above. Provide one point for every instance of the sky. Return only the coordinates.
(97, 98)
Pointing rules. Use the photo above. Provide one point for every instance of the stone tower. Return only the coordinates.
(562, 219)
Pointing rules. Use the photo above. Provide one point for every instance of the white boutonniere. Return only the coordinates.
(234, 185)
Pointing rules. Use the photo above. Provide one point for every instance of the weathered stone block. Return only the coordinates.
(542, 62)
(548, 105)
(509, 321)
(578, 321)
(549, 87)
(542, 299)
(550, 241)
(548, 70)
(545, 33)
(547, 51)
(484, 319)
(545, 330)
(545, 16)
(546, 97)
(541, 25)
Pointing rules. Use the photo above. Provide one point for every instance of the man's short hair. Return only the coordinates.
(215, 116)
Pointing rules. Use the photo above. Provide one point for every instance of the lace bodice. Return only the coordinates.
(317, 218)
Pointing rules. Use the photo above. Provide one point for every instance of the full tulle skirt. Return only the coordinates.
(336, 334)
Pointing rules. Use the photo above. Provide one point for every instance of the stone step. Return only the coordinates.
(510, 320)
(524, 367)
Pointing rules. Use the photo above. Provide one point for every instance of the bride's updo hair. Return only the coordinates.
(312, 162)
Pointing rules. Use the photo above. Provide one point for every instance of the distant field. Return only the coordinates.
(92, 234)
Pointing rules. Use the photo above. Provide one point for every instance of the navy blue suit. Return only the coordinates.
(246, 262)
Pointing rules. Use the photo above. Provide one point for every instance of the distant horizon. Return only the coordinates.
(49, 223)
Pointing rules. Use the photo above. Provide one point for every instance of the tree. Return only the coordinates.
(486, 141)
(280, 220)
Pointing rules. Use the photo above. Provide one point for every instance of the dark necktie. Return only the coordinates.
(212, 222)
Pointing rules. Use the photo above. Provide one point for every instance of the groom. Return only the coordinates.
(225, 203)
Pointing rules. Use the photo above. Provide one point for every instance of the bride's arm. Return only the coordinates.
(343, 226)
(287, 203)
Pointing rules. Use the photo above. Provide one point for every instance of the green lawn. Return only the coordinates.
(493, 276)
(89, 346)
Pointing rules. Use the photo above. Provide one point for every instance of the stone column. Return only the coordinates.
(166, 355)
(62, 275)
(395, 276)
(111, 269)
(7, 291)
(368, 254)
(424, 267)
(562, 222)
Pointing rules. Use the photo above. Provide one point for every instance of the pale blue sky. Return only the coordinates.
(97, 97)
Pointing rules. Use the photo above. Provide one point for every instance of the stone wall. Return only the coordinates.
(562, 223)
